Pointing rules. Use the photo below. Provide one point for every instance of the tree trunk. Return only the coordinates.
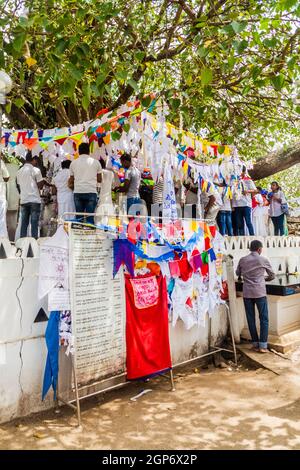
(275, 162)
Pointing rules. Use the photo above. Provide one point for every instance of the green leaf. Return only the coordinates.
(228, 29)
(56, 59)
(278, 81)
(101, 77)
(230, 139)
(206, 76)
(270, 42)
(264, 24)
(2, 59)
(61, 46)
(75, 72)
(19, 102)
(238, 27)
(289, 3)
(139, 55)
(202, 51)
(133, 84)
(240, 46)
(85, 102)
(246, 90)
(221, 149)
(95, 90)
(121, 74)
(175, 103)
(18, 42)
(8, 107)
(297, 109)
(256, 71)
(126, 127)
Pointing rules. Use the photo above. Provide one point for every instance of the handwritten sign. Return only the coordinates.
(145, 292)
(54, 263)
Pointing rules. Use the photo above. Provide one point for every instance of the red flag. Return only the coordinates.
(102, 111)
(147, 326)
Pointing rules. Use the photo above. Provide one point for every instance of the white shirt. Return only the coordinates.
(226, 203)
(275, 205)
(3, 174)
(85, 170)
(27, 178)
(134, 176)
(245, 200)
(191, 197)
(61, 183)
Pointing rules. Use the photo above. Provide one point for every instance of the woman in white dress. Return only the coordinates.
(65, 196)
(260, 215)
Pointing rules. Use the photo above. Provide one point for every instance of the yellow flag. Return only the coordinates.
(106, 139)
(30, 61)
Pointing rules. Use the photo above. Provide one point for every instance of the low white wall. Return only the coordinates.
(22, 344)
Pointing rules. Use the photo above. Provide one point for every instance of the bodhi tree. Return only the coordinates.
(229, 66)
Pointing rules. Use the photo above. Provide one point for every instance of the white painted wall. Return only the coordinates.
(22, 344)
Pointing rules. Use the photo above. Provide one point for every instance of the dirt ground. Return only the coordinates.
(232, 408)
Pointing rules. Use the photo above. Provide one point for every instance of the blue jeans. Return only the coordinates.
(30, 211)
(278, 223)
(85, 202)
(225, 223)
(262, 307)
(243, 214)
(131, 201)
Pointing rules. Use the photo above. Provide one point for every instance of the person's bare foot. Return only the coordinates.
(262, 350)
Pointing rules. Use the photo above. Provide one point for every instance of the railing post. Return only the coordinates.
(232, 298)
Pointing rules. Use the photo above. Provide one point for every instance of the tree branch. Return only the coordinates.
(275, 162)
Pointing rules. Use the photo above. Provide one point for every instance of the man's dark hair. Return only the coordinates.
(255, 245)
(65, 164)
(28, 157)
(84, 148)
(244, 169)
(126, 157)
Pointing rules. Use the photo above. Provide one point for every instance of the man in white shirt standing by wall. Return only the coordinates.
(30, 182)
(85, 173)
(4, 177)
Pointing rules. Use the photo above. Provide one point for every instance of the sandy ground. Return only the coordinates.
(210, 409)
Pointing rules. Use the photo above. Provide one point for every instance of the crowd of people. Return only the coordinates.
(87, 185)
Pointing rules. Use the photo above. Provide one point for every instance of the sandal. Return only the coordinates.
(263, 351)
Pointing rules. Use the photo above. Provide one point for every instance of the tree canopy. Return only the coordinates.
(230, 66)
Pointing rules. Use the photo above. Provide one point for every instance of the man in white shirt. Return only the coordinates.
(243, 206)
(4, 177)
(85, 173)
(30, 182)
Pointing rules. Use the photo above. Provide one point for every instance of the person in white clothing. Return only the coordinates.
(65, 196)
(29, 183)
(85, 173)
(4, 177)
(260, 213)
(105, 207)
